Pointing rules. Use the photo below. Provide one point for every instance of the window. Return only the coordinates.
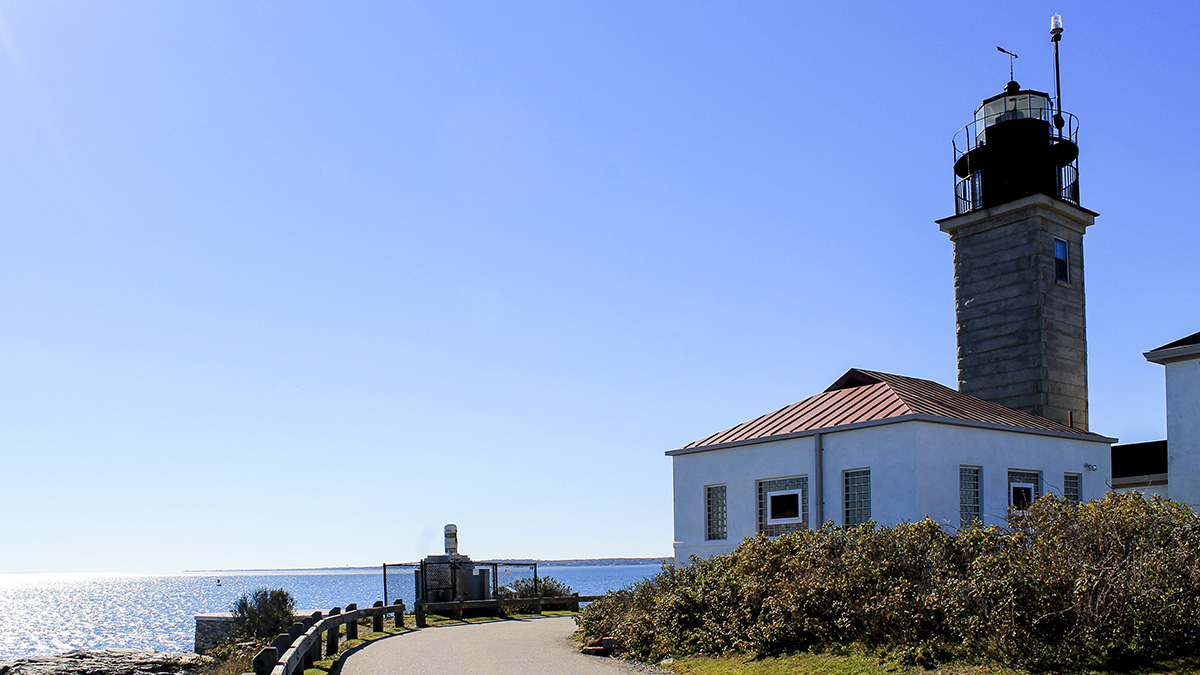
(1071, 487)
(1062, 270)
(968, 495)
(782, 505)
(714, 501)
(1024, 488)
(857, 496)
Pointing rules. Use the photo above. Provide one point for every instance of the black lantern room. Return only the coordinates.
(1020, 143)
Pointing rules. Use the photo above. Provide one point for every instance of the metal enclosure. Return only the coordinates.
(452, 576)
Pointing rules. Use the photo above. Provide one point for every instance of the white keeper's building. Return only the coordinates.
(876, 446)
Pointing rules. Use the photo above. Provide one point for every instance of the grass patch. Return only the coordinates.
(851, 664)
(241, 661)
(435, 620)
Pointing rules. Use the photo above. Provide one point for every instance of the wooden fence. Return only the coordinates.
(301, 646)
(316, 636)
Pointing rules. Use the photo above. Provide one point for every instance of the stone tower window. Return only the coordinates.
(1062, 270)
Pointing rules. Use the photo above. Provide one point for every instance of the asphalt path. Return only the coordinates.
(534, 646)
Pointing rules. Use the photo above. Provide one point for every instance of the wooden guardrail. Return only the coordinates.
(301, 646)
(318, 635)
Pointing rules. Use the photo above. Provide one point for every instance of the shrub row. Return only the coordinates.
(547, 587)
(1106, 584)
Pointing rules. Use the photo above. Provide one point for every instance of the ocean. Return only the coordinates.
(42, 614)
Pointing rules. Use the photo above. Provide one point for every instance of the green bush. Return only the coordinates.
(1105, 584)
(547, 587)
(263, 614)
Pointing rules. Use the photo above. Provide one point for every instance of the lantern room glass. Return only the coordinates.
(1021, 105)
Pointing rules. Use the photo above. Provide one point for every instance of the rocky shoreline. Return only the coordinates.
(107, 662)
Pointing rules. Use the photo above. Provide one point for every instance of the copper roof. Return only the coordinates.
(869, 396)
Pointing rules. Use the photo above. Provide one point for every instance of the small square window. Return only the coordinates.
(1024, 488)
(783, 506)
(1062, 268)
(1022, 496)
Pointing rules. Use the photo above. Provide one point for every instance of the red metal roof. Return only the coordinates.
(868, 396)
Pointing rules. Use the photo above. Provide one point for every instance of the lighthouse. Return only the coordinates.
(1018, 253)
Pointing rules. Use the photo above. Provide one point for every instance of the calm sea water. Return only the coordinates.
(53, 613)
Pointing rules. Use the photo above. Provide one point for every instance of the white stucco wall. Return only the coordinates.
(738, 468)
(943, 448)
(914, 473)
(888, 451)
(1183, 431)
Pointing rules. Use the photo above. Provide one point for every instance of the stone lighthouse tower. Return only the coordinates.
(1018, 254)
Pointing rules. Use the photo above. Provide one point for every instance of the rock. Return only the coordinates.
(107, 662)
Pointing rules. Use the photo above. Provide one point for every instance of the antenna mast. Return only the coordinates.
(1055, 36)
(1011, 56)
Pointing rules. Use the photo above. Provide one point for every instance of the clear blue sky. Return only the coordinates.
(292, 284)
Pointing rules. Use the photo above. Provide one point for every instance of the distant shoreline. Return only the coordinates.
(565, 562)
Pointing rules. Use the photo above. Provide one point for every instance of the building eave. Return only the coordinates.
(932, 419)
(1165, 356)
(1074, 213)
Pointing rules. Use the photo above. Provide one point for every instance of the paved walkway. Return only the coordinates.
(538, 646)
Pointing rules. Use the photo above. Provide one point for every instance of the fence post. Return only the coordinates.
(307, 659)
(399, 614)
(419, 614)
(315, 651)
(377, 618)
(352, 626)
(265, 660)
(281, 643)
(537, 589)
(331, 635)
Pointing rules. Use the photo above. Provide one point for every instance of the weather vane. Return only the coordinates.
(1011, 56)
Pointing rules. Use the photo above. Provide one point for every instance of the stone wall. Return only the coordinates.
(211, 629)
(1022, 339)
